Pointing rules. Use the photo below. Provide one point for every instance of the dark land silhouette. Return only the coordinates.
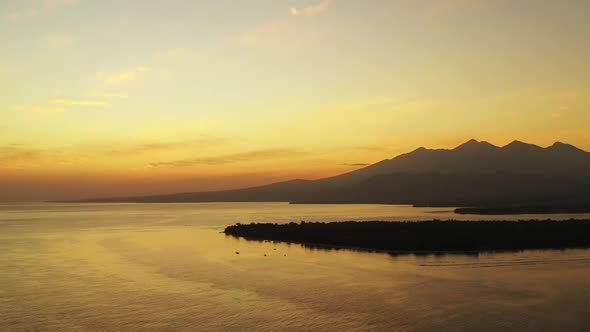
(475, 174)
(535, 208)
(432, 235)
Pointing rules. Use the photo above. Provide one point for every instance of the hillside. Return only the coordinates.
(472, 173)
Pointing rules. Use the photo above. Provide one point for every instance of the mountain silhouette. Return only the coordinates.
(474, 173)
(481, 157)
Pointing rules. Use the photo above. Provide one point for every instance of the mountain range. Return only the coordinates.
(473, 173)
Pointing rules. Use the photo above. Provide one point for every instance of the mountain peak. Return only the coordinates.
(475, 144)
(562, 145)
(559, 146)
(516, 144)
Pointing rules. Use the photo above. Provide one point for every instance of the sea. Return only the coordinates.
(169, 267)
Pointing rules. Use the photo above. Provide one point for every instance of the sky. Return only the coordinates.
(115, 98)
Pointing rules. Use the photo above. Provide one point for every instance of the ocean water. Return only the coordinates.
(168, 267)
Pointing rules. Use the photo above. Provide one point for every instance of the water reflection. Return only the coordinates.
(138, 268)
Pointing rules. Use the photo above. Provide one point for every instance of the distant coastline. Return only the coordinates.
(465, 209)
(474, 174)
(525, 209)
(427, 236)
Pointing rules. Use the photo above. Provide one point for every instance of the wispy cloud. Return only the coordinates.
(256, 155)
(77, 102)
(149, 148)
(17, 157)
(124, 76)
(115, 78)
(312, 10)
(260, 35)
(274, 31)
(356, 164)
(23, 156)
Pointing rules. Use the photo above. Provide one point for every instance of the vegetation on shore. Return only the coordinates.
(435, 235)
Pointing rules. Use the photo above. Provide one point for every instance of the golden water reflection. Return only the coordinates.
(132, 268)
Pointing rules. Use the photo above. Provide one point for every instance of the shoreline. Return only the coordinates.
(458, 209)
(524, 209)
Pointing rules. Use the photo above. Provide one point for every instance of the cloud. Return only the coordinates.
(263, 34)
(146, 148)
(77, 102)
(64, 41)
(228, 159)
(375, 147)
(17, 157)
(124, 76)
(22, 156)
(356, 164)
(273, 32)
(558, 114)
(321, 7)
(116, 78)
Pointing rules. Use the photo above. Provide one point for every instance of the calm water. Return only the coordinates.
(136, 267)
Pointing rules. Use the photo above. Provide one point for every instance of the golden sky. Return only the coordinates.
(137, 97)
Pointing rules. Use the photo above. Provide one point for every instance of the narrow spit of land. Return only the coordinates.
(434, 235)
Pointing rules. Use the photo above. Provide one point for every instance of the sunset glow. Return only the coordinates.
(111, 98)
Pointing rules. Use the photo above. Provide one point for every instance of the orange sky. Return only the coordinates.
(104, 98)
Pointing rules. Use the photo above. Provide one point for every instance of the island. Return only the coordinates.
(425, 236)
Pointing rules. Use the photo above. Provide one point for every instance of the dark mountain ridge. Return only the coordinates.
(472, 173)
(481, 157)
